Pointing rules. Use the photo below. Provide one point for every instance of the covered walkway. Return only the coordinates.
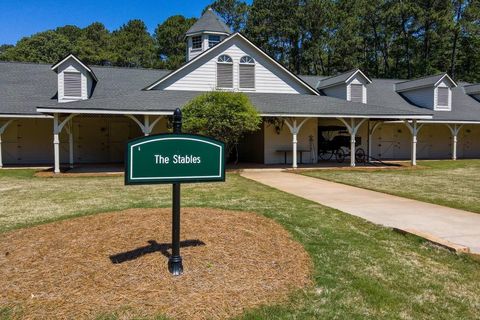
(456, 226)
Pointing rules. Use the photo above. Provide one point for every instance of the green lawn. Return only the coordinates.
(361, 270)
(454, 184)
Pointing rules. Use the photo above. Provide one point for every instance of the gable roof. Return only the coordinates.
(72, 56)
(218, 47)
(24, 86)
(428, 81)
(209, 22)
(341, 78)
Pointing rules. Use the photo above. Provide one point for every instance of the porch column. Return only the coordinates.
(57, 129)
(455, 131)
(352, 129)
(294, 130)
(2, 130)
(56, 144)
(414, 130)
(147, 130)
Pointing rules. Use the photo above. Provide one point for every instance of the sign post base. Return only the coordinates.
(175, 265)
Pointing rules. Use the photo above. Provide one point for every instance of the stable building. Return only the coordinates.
(71, 113)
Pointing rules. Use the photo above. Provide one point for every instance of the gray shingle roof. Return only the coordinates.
(472, 88)
(266, 103)
(341, 78)
(24, 86)
(419, 83)
(382, 92)
(209, 21)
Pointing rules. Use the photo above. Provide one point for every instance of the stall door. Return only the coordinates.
(118, 136)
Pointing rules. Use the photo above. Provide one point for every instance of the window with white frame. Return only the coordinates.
(247, 73)
(213, 40)
(225, 72)
(356, 92)
(72, 84)
(442, 97)
(197, 43)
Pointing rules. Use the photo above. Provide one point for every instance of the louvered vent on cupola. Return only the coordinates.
(442, 97)
(72, 84)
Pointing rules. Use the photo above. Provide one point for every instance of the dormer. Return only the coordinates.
(350, 86)
(432, 92)
(208, 31)
(473, 90)
(75, 79)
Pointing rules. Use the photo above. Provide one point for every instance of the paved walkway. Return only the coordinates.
(457, 226)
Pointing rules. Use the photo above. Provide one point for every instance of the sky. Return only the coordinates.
(20, 18)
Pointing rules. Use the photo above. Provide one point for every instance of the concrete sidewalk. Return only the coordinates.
(456, 226)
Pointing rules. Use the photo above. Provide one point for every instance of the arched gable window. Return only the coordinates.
(224, 72)
(247, 73)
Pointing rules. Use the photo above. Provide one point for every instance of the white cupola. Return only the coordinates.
(205, 33)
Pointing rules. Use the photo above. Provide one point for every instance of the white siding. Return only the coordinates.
(423, 97)
(72, 66)
(193, 53)
(201, 75)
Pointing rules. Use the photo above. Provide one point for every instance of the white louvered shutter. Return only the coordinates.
(247, 76)
(356, 92)
(72, 84)
(225, 75)
(442, 99)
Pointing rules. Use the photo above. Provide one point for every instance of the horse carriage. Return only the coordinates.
(334, 141)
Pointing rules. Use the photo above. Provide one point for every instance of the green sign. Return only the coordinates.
(174, 158)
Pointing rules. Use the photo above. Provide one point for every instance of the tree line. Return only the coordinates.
(385, 38)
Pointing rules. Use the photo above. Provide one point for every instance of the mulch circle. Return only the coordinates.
(117, 263)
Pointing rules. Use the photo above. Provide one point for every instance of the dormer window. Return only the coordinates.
(72, 84)
(247, 73)
(225, 72)
(197, 43)
(213, 40)
(356, 92)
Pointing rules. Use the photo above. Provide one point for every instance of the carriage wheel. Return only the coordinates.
(340, 155)
(360, 155)
(325, 154)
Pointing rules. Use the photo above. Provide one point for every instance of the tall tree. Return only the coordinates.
(45, 47)
(233, 12)
(170, 40)
(133, 46)
(92, 46)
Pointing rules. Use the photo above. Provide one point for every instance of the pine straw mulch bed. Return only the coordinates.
(116, 263)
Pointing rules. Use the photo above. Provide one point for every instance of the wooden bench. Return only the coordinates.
(285, 151)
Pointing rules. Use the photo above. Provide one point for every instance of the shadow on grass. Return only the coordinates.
(153, 247)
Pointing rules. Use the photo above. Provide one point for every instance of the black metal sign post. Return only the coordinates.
(175, 265)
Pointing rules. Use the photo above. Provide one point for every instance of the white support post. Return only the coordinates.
(352, 129)
(146, 125)
(57, 129)
(414, 130)
(2, 130)
(56, 144)
(370, 136)
(455, 130)
(294, 130)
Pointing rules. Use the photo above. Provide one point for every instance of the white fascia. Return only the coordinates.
(96, 111)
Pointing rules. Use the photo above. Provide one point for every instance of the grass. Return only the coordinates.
(449, 183)
(360, 270)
